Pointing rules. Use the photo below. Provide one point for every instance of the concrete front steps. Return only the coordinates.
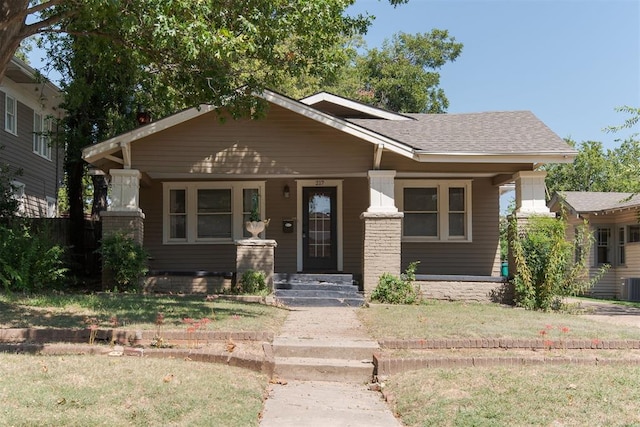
(304, 359)
(317, 290)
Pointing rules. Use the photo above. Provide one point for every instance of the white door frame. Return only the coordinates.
(301, 183)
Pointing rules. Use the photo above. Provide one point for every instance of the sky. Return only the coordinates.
(570, 62)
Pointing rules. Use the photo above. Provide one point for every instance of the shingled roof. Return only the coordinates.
(595, 201)
(509, 132)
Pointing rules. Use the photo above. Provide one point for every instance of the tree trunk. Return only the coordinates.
(12, 24)
(99, 196)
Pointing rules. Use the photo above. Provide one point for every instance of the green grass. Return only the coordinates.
(133, 311)
(519, 396)
(96, 390)
(439, 319)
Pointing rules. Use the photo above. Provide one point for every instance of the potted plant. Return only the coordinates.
(256, 224)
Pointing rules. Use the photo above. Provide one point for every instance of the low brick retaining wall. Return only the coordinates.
(122, 336)
(385, 365)
(509, 343)
(264, 363)
(465, 288)
(191, 282)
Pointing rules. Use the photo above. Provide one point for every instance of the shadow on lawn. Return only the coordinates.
(109, 310)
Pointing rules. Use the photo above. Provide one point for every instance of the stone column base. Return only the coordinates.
(257, 255)
(131, 223)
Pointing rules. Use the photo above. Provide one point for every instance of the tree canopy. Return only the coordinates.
(597, 169)
(400, 76)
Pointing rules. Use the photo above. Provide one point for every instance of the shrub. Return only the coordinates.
(253, 282)
(397, 290)
(548, 266)
(125, 259)
(29, 259)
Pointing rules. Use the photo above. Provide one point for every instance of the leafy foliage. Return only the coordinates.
(29, 259)
(397, 290)
(253, 282)
(548, 266)
(595, 169)
(125, 259)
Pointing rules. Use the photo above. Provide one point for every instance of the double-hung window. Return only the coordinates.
(41, 129)
(10, 114)
(208, 212)
(435, 210)
(603, 246)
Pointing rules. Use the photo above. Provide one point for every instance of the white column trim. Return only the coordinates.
(381, 191)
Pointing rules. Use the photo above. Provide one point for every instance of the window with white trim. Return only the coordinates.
(10, 114)
(41, 130)
(603, 246)
(633, 235)
(621, 251)
(435, 210)
(208, 212)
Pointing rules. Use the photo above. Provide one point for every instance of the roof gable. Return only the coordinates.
(595, 201)
(348, 108)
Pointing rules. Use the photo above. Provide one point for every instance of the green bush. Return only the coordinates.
(253, 282)
(29, 259)
(397, 290)
(548, 266)
(125, 259)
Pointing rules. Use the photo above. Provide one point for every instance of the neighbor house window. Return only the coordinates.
(435, 210)
(10, 115)
(41, 129)
(52, 207)
(621, 253)
(208, 212)
(603, 249)
(633, 235)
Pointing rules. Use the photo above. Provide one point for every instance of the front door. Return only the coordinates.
(319, 229)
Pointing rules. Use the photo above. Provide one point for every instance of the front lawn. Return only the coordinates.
(561, 395)
(132, 311)
(442, 319)
(97, 390)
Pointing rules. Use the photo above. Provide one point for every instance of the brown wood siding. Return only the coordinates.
(479, 257)
(278, 209)
(220, 257)
(355, 193)
(40, 176)
(281, 143)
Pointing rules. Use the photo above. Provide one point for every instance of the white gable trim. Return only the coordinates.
(354, 105)
(113, 145)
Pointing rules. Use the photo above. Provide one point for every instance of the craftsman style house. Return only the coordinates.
(613, 220)
(347, 187)
(28, 107)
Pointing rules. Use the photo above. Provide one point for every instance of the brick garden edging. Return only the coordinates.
(508, 343)
(385, 366)
(123, 336)
(255, 363)
(75, 341)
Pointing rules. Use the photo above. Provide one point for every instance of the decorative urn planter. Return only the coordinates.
(256, 227)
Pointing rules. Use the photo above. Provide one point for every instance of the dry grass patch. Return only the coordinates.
(519, 396)
(133, 311)
(440, 319)
(97, 390)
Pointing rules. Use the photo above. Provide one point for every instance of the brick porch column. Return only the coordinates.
(382, 246)
(382, 230)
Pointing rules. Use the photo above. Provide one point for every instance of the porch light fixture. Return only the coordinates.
(286, 192)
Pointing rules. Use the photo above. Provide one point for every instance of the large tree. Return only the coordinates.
(165, 55)
(597, 169)
(402, 75)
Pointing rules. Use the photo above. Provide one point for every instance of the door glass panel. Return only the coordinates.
(319, 242)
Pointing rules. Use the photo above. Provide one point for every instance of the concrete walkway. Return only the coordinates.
(319, 403)
(603, 311)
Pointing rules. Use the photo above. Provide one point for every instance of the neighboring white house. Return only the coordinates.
(613, 218)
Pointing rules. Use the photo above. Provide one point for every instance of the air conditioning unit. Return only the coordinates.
(633, 288)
